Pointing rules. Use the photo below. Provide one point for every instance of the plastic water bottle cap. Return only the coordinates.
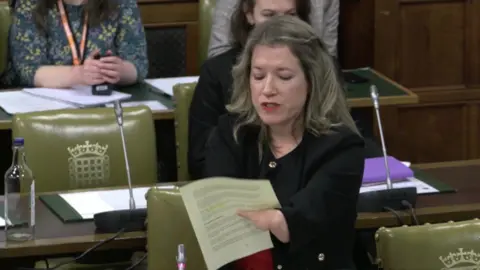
(18, 142)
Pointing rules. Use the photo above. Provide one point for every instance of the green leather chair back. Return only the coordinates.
(206, 9)
(439, 246)
(81, 148)
(168, 226)
(183, 94)
(5, 20)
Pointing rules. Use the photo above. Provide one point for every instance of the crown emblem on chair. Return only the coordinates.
(87, 149)
(463, 258)
(88, 165)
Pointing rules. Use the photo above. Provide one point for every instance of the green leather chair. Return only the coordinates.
(81, 148)
(452, 245)
(183, 94)
(168, 226)
(5, 20)
(206, 9)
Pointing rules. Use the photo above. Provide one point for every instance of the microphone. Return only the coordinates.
(129, 220)
(376, 105)
(181, 257)
(391, 198)
(119, 113)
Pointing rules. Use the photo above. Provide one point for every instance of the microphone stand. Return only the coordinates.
(390, 199)
(393, 198)
(129, 220)
(119, 113)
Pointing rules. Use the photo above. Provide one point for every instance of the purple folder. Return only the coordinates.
(374, 171)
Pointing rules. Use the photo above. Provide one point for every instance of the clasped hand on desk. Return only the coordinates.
(107, 69)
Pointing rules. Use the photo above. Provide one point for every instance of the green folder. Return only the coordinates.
(432, 181)
(362, 90)
(61, 208)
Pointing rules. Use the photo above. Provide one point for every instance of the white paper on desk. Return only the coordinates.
(87, 204)
(2, 222)
(422, 187)
(14, 102)
(165, 85)
(407, 163)
(154, 105)
(78, 95)
(119, 199)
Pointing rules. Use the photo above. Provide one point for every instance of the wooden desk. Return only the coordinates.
(391, 93)
(56, 238)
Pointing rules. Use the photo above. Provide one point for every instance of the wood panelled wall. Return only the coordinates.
(433, 48)
(429, 46)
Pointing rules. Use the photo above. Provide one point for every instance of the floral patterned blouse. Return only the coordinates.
(122, 33)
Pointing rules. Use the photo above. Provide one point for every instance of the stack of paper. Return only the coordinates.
(80, 96)
(45, 99)
(21, 102)
(165, 85)
(89, 203)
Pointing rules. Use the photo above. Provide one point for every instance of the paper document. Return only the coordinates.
(407, 163)
(165, 85)
(86, 204)
(89, 203)
(79, 95)
(119, 199)
(223, 236)
(154, 105)
(14, 102)
(422, 187)
(2, 222)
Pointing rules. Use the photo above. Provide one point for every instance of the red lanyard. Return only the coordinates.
(73, 46)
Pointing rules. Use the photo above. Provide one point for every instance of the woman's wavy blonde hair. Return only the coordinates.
(326, 105)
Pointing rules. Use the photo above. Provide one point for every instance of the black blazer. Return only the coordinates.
(212, 93)
(320, 203)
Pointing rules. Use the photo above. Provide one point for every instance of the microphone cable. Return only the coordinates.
(395, 213)
(412, 211)
(138, 262)
(85, 253)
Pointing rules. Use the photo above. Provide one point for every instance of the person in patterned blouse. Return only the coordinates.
(57, 44)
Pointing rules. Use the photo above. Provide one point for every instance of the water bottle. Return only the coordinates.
(19, 206)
